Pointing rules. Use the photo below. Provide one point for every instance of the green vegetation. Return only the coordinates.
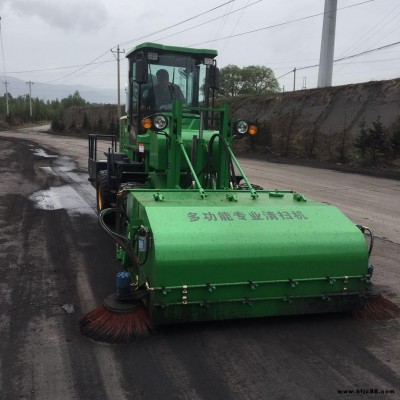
(253, 79)
(19, 108)
(377, 143)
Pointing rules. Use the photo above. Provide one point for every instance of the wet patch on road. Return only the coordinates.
(62, 197)
(71, 192)
(42, 153)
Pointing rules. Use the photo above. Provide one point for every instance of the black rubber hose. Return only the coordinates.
(371, 234)
(123, 241)
(230, 166)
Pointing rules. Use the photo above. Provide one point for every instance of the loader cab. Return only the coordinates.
(191, 76)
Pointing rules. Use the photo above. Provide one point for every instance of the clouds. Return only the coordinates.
(49, 34)
(71, 15)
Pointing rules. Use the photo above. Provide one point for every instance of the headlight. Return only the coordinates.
(160, 122)
(242, 127)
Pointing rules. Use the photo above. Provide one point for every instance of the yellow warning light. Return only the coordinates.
(146, 123)
(252, 130)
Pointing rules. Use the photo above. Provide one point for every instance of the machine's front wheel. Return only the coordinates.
(103, 192)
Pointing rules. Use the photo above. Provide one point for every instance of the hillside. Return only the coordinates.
(317, 123)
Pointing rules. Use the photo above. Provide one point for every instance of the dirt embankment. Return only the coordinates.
(317, 123)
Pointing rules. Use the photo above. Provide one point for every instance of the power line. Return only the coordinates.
(236, 24)
(58, 68)
(223, 21)
(88, 70)
(79, 69)
(371, 61)
(354, 55)
(93, 62)
(392, 29)
(287, 73)
(281, 24)
(174, 25)
(140, 38)
(368, 51)
(344, 58)
(353, 62)
(209, 21)
(369, 33)
(372, 33)
(109, 61)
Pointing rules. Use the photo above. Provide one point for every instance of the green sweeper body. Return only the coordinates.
(199, 241)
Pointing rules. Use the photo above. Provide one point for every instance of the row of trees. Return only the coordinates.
(19, 108)
(376, 143)
(253, 79)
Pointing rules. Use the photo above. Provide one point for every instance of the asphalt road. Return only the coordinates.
(53, 253)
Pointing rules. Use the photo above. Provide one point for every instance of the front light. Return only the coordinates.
(242, 127)
(253, 130)
(160, 122)
(146, 123)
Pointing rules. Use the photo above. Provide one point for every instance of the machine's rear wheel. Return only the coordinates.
(103, 192)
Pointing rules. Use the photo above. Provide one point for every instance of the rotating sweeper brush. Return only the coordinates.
(195, 239)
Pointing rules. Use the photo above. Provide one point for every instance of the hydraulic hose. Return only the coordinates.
(364, 229)
(230, 166)
(122, 240)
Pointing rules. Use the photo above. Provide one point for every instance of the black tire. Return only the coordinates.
(103, 193)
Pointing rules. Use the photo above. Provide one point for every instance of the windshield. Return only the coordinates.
(171, 77)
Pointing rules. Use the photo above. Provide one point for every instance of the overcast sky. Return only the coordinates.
(49, 34)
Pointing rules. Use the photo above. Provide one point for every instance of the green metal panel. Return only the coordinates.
(214, 255)
(158, 152)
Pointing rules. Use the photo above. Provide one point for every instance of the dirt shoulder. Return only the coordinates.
(388, 172)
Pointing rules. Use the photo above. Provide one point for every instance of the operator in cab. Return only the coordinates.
(165, 92)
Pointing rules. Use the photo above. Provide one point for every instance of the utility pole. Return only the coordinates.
(116, 55)
(4, 66)
(30, 97)
(294, 79)
(6, 84)
(304, 83)
(327, 44)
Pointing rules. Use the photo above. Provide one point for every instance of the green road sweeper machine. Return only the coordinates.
(195, 239)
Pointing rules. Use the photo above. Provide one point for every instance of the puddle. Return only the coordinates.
(42, 153)
(48, 170)
(65, 164)
(63, 197)
(69, 196)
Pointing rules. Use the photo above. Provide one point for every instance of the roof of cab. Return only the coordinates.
(175, 49)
